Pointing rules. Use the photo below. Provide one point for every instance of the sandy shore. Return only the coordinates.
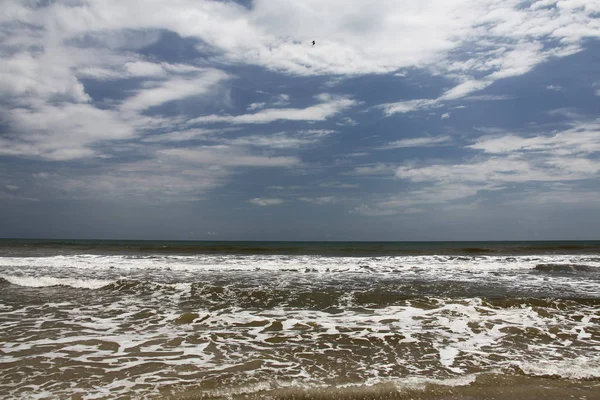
(487, 386)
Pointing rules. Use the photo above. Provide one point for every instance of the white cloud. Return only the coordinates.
(457, 92)
(173, 89)
(164, 179)
(515, 169)
(339, 185)
(255, 106)
(463, 89)
(419, 142)
(282, 100)
(555, 88)
(333, 82)
(11, 187)
(582, 139)
(564, 156)
(63, 132)
(519, 60)
(48, 51)
(329, 106)
(567, 112)
(407, 106)
(264, 202)
(505, 161)
(45, 53)
(437, 194)
(361, 154)
(485, 97)
(318, 132)
(571, 195)
(99, 73)
(319, 200)
(280, 140)
(51, 117)
(111, 67)
(347, 121)
(150, 69)
(364, 209)
(445, 115)
(185, 135)
(14, 197)
(277, 101)
(42, 75)
(414, 200)
(227, 156)
(506, 42)
(374, 169)
(353, 38)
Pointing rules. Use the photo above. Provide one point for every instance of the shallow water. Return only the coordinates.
(151, 325)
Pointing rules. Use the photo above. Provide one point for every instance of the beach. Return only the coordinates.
(299, 320)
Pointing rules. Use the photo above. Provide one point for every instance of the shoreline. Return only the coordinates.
(488, 386)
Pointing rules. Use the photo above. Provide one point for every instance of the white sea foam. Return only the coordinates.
(272, 342)
(307, 263)
(415, 382)
(519, 271)
(579, 368)
(44, 281)
(447, 356)
(461, 335)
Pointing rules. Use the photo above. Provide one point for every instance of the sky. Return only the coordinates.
(220, 120)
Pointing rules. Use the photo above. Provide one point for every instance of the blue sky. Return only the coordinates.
(217, 120)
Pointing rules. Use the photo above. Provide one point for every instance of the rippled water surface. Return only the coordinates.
(86, 322)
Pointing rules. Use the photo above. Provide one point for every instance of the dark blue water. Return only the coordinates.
(44, 247)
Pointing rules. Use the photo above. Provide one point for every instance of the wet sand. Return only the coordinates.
(484, 387)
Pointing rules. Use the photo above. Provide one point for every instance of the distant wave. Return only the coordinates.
(352, 249)
(49, 281)
(550, 303)
(329, 298)
(561, 268)
(136, 286)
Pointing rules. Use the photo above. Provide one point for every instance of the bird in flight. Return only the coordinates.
(313, 42)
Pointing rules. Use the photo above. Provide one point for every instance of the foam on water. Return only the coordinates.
(45, 281)
(451, 338)
(581, 368)
(265, 322)
(544, 271)
(385, 264)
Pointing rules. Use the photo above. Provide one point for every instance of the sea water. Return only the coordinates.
(120, 319)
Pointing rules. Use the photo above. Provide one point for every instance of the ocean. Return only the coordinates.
(86, 319)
